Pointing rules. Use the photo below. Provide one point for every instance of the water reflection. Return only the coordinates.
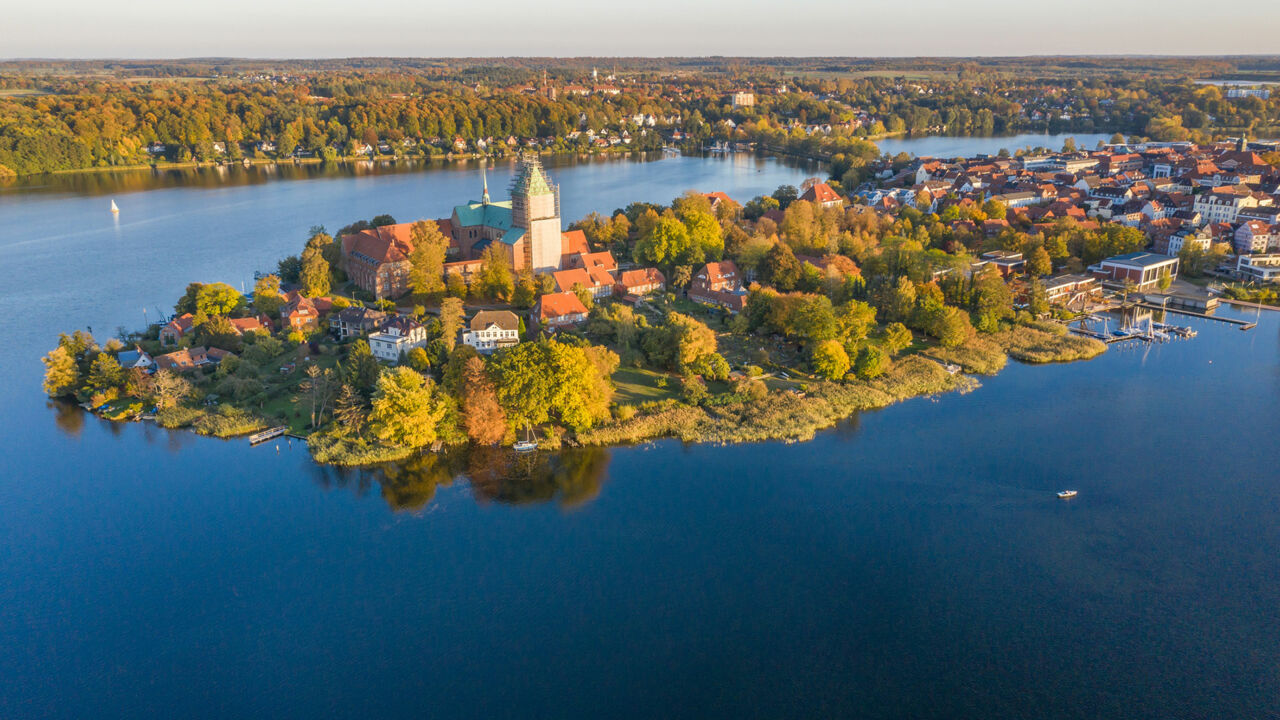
(68, 416)
(570, 478)
(104, 182)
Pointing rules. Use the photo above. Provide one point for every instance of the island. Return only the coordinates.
(705, 320)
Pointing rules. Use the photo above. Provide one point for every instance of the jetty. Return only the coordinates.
(1242, 324)
(268, 434)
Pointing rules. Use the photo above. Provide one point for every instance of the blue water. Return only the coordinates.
(948, 146)
(911, 563)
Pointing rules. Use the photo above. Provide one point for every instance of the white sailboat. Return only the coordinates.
(528, 444)
(114, 208)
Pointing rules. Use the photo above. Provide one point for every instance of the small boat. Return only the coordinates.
(528, 444)
(114, 208)
(1067, 494)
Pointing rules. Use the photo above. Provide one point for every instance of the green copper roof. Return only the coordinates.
(530, 179)
(495, 215)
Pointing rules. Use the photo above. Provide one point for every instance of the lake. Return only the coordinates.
(950, 146)
(912, 562)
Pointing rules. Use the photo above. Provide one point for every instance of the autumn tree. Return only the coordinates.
(266, 295)
(426, 262)
(451, 318)
(482, 415)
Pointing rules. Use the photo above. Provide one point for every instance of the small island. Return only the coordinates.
(704, 320)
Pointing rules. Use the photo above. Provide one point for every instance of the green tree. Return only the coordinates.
(104, 373)
(872, 363)
(780, 267)
(451, 318)
(547, 380)
(1039, 262)
(314, 277)
(665, 244)
(426, 262)
(494, 280)
(406, 410)
(266, 295)
(897, 337)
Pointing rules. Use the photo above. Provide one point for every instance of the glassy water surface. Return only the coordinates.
(911, 563)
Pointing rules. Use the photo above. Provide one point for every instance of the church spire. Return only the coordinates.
(484, 196)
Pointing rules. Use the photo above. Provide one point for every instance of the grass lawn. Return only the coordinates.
(638, 385)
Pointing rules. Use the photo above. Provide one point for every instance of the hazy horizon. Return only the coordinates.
(280, 30)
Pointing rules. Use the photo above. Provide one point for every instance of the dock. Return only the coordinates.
(1242, 324)
(268, 434)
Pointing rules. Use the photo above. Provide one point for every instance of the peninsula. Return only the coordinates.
(705, 319)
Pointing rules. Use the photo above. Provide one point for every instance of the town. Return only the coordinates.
(709, 319)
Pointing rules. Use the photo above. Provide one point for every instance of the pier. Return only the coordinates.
(265, 435)
(1242, 324)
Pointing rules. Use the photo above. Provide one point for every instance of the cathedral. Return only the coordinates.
(527, 226)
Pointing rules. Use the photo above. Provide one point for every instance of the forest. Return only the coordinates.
(74, 115)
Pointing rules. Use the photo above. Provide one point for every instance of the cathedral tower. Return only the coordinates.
(535, 207)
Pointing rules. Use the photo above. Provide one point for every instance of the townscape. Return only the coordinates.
(709, 319)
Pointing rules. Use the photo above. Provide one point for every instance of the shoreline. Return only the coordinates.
(779, 416)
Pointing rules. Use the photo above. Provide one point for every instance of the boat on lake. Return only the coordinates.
(1067, 494)
(114, 208)
(528, 444)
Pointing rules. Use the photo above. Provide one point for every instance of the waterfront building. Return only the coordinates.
(1143, 269)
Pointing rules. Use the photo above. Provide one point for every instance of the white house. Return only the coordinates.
(492, 330)
(397, 337)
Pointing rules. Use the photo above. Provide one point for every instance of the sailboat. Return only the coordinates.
(114, 208)
(528, 444)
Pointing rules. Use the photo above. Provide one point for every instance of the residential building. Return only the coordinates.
(191, 358)
(398, 336)
(1254, 236)
(175, 329)
(492, 330)
(638, 283)
(355, 322)
(742, 98)
(1071, 290)
(299, 313)
(822, 195)
(135, 358)
(719, 283)
(558, 310)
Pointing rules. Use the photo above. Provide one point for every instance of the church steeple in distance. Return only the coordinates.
(484, 178)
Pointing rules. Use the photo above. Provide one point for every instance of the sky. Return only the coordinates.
(561, 28)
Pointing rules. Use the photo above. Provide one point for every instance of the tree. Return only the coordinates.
(897, 337)
(663, 245)
(362, 368)
(381, 220)
(319, 388)
(1037, 298)
(405, 410)
(266, 295)
(451, 317)
(314, 276)
(494, 280)
(680, 343)
(104, 373)
(426, 262)
(952, 327)
(61, 375)
(541, 381)
(785, 195)
(289, 269)
(1039, 262)
(187, 303)
(171, 388)
(780, 267)
(872, 363)
(455, 286)
(350, 411)
(830, 360)
(483, 416)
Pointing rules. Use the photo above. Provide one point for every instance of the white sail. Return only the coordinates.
(114, 209)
